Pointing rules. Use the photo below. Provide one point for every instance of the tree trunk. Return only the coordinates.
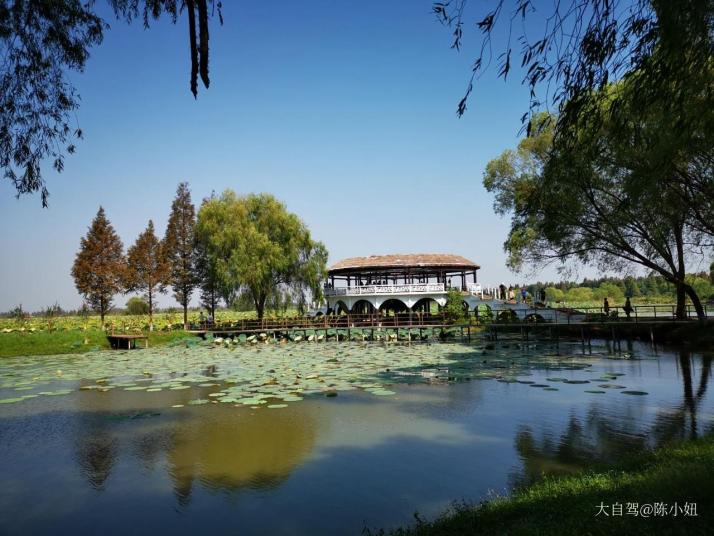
(101, 311)
(260, 306)
(151, 311)
(681, 312)
(185, 311)
(701, 315)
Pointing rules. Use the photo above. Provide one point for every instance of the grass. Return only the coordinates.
(567, 505)
(71, 341)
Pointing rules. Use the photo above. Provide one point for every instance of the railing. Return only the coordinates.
(579, 316)
(417, 288)
(585, 315)
(328, 322)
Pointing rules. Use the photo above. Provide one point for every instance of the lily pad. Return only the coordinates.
(635, 393)
(11, 400)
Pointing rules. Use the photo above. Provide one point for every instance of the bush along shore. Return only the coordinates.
(26, 343)
(666, 491)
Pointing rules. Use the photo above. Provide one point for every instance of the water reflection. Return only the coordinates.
(682, 421)
(223, 448)
(328, 465)
(607, 434)
(96, 454)
(598, 439)
(232, 450)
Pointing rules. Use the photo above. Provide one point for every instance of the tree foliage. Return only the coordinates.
(179, 248)
(596, 203)
(99, 268)
(454, 308)
(256, 246)
(137, 306)
(570, 51)
(41, 43)
(148, 270)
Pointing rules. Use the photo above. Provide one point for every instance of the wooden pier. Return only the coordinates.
(126, 341)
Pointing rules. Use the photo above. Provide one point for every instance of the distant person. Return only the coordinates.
(524, 295)
(502, 288)
(201, 319)
(628, 307)
(606, 307)
(542, 296)
(511, 294)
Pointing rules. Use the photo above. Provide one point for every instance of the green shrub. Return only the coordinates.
(137, 306)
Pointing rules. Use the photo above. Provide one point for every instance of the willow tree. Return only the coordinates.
(99, 267)
(179, 248)
(260, 248)
(596, 203)
(148, 270)
(42, 43)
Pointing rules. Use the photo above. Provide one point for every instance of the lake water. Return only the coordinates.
(320, 438)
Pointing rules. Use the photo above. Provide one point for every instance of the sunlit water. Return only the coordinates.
(133, 442)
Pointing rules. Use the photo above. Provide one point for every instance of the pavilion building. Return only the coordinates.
(398, 283)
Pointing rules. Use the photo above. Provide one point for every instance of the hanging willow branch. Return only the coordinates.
(203, 49)
(199, 53)
(41, 42)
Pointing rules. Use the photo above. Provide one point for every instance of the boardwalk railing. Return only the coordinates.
(587, 315)
(416, 288)
(580, 315)
(327, 322)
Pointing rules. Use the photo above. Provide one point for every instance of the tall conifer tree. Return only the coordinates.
(179, 245)
(148, 270)
(99, 267)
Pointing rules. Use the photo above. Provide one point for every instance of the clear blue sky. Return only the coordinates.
(343, 110)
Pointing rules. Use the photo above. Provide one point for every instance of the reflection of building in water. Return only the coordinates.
(234, 448)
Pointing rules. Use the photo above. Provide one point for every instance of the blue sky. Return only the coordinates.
(343, 110)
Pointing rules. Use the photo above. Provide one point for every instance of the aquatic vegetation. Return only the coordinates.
(255, 373)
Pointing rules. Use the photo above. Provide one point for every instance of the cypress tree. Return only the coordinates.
(179, 248)
(99, 267)
(148, 271)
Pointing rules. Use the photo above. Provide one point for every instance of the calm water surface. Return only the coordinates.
(459, 425)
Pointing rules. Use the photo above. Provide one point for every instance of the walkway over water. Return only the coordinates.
(495, 316)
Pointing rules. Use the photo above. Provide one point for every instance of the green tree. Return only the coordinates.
(577, 47)
(99, 268)
(553, 294)
(42, 43)
(260, 248)
(179, 248)
(580, 294)
(454, 308)
(595, 204)
(137, 306)
(148, 271)
(609, 290)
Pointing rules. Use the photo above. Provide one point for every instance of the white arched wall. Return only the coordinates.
(377, 301)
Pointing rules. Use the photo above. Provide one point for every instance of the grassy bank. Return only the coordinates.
(681, 473)
(70, 341)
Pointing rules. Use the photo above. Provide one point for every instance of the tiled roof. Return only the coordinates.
(420, 260)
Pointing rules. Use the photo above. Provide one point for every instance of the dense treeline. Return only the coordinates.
(238, 250)
(652, 288)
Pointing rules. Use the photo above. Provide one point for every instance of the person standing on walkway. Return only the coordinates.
(628, 307)
(606, 307)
